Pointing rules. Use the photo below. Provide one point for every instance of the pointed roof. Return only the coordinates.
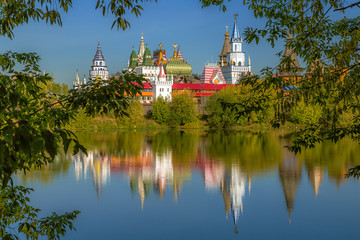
(98, 55)
(77, 79)
(226, 45)
(235, 34)
(179, 55)
(289, 52)
(141, 47)
(162, 72)
(148, 61)
(133, 59)
(290, 176)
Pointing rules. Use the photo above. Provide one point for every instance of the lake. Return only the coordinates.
(199, 185)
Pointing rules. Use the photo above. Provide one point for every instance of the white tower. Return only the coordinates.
(236, 66)
(98, 67)
(162, 86)
(77, 83)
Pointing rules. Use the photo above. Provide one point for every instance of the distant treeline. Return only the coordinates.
(229, 108)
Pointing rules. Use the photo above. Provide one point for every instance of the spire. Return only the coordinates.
(175, 46)
(179, 55)
(249, 62)
(225, 49)
(77, 79)
(98, 55)
(235, 34)
(289, 52)
(84, 81)
(141, 49)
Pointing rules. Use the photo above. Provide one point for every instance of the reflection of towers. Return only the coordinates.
(237, 192)
(233, 192)
(290, 175)
(99, 166)
(163, 169)
(316, 176)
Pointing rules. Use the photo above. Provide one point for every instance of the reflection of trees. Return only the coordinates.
(183, 145)
(160, 163)
(335, 157)
(253, 152)
(46, 174)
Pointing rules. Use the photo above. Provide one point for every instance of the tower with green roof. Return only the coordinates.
(148, 61)
(133, 59)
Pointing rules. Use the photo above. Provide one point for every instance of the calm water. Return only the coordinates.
(176, 185)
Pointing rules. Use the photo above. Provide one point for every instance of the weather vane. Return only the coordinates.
(175, 45)
(236, 15)
(161, 45)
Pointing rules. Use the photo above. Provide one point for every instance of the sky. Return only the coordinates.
(198, 31)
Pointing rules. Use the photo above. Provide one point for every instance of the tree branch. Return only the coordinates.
(349, 6)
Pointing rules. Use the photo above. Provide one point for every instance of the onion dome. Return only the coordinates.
(133, 59)
(177, 66)
(148, 61)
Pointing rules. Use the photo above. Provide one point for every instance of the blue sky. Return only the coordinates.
(198, 31)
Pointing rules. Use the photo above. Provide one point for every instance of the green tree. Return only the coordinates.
(225, 107)
(161, 110)
(133, 115)
(32, 130)
(329, 46)
(182, 110)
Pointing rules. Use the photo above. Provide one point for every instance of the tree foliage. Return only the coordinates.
(329, 46)
(237, 105)
(133, 116)
(182, 109)
(161, 110)
(32, 121)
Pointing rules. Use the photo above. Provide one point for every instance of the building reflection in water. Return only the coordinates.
(290, 176)
(159, 171)
(98, 164)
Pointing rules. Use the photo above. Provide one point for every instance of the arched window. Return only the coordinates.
(96, 63)
(239, 63)
(100, 63)
(235, 48)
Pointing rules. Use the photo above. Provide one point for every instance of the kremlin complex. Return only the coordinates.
(166, 75)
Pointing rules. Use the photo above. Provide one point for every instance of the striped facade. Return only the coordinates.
(212, 74)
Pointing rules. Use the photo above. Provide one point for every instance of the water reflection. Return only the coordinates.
(162, 163)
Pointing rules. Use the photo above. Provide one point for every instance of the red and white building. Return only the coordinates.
(212, 74)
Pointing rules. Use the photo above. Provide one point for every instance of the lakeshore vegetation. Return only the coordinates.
(183, 112)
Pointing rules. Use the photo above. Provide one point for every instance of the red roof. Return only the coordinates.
(147, 85)
(198, 86)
